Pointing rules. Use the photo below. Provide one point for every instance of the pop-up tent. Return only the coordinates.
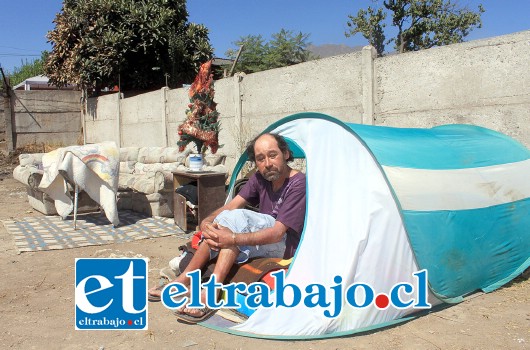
(384, 203)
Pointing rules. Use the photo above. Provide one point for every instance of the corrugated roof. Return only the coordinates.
(36, 80)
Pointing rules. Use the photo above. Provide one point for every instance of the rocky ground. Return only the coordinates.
(37, 305)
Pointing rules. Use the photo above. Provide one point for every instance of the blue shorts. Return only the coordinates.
(241, 221)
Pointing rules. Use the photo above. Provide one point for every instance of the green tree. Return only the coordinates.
(137, 44)
(285, 49)
(421, 24)
(370, 24)
(28, 70)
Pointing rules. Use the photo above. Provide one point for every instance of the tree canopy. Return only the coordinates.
(284, 49)
(28, 69)
(136, 44)
(421, 24)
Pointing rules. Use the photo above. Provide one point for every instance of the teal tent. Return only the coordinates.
(384, 203)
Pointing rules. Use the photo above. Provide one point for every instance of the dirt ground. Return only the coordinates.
(37, 305)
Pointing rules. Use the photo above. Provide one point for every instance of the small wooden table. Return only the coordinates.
(211, 194)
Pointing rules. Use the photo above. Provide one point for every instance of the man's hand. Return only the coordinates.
(217, 237)
(204, 223)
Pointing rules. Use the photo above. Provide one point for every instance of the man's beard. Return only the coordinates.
(272, 175)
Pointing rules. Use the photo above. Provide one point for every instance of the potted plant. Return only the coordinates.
(202, 119)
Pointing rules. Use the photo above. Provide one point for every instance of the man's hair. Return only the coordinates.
(282, 145)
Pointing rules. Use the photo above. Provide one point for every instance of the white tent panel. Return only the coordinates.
(460, 189)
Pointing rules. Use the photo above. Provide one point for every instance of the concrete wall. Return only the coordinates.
(483, 82)
(143, 118)
(51, 117)
(177, 101)
(332, 85)
(100, 119)
(247, 104)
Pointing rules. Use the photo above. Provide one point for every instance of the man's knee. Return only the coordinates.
(228, 215)
(234, 219)
(243, 220)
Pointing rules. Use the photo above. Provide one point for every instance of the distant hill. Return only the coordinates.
(328, 50)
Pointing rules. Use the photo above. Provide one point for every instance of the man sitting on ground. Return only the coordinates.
(234, 235)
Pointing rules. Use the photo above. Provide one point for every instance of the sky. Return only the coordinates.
(24, 23)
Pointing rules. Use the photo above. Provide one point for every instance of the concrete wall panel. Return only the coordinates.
(143, 108)
(47, 112)
(51, 116)
(332, 85)
(143, 120)
(177, 104)
(483, 82)
(101, 119)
